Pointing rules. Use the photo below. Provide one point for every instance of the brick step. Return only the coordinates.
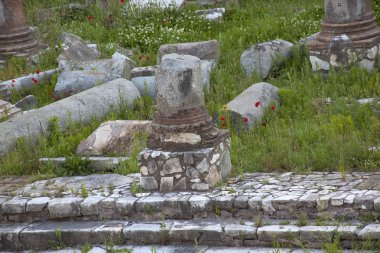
(226, 233)
(111, 196)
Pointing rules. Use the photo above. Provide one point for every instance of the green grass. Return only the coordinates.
(300, 135)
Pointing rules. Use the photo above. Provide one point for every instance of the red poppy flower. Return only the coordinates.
(38, 71)
(222, 118)
(13, 81)
(223, 125)
(90, 18)
(257, 104)
(147, 58)
(13, 85)
(273, 107)
(245, 119)
(34, 80)
(121, 1)
(140, 57)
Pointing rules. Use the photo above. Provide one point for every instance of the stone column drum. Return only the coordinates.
(185, 151)
(16, 38)
(349, 34)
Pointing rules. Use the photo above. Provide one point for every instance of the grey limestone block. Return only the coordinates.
(37, 204)
(125, 205)
(14, 206)
(370, 232)
(65, 207)
(278, 233)
(90, 205)
(144, 233)
(242, 232)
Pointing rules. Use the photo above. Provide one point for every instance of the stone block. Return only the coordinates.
(144, 233)
(64, 207)
(37, 204)
(108, 233)
(200, 203)
(90, 205)
(317, 235)
(204, 50)
(278, 233)
(200, 169)
(14, 206)
(241, 202)
(241, 232)
(150, 204)
(376, 203)
(9, 236)
(41, 236)
(125, 205)
(146, 85)
(370, 232)
(184, 232)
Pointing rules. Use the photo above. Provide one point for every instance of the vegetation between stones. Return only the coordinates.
(302, 135)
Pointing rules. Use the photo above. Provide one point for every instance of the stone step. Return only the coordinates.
(190, 249)
(227, 233)
(112, 196)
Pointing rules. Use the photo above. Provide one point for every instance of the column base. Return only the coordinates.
(196, 170)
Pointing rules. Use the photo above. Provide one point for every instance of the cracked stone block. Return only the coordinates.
(14, 206)
(64, 207)
(199, 203)
(211, 232)
(370, 232)
(317, 235)
(241, 232)
(90, 205)
(37, 204)
(107, 208)
(255, 203)
(45, 235)
(287, 233)
(144, 233)
(184, 231)
(125, 205)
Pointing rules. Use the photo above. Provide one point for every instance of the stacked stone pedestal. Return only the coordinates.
(195, 170)
(185, 151)
(349, 36)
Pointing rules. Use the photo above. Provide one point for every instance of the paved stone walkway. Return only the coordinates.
(111, 196)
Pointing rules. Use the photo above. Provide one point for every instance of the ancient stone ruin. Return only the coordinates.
(16, 38)
(185, 151)
(349, 35)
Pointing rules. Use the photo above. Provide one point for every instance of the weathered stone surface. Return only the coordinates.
(213, 177)
(172, 166)
(204, 50)
(75, 49)
(376, 202)
(72, 82)
(139, 232)
(184, 231)
(318, 64)
(65, 207)
(316, 235)
(150, 204)
(9, 236)
(37, 204)
(114, 137)
(278, 233)
(242, 232)
(167, 183)
(158, 3)
(40, 236)
(146, 85)
(111, 232)
(14, 206)
(113, 68)
(370, 232)
(125, 205)
(260, 58)
(96, 102)
(199, 203)
(206, 67)
(27, 103)
(8, 111)
(248, 108)
(90, 205)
